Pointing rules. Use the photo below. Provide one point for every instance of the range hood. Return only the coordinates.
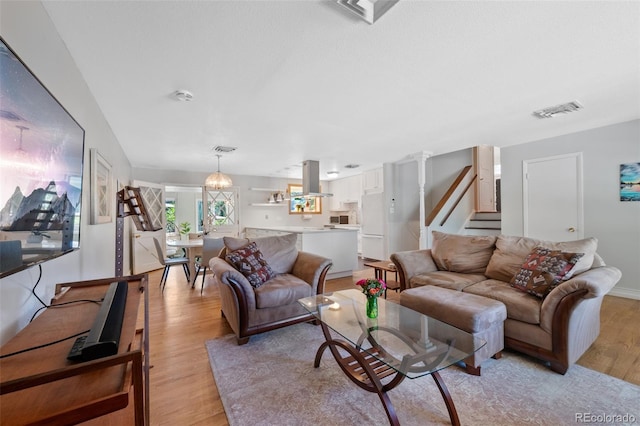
(311, 179)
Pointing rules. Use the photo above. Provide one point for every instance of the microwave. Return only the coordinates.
(340, 220)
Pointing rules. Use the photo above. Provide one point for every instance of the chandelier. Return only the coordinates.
(218, 180)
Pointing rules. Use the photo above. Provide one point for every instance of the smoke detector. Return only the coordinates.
(551, 112)
(183, 95)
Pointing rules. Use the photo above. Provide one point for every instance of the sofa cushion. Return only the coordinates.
(462, 253)
(466, 311)
(278, 250)
(284, 289)
(511, 251)
(248, 260)
(446, 279)
(520, 306)
(543, 270)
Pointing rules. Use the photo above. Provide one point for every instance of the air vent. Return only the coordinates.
(551, 112)
(352, 166)
(369, 10)
(224, 149)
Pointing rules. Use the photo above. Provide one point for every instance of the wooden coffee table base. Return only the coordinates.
(366, 371)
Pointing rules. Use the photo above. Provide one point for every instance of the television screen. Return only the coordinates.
(41, 165)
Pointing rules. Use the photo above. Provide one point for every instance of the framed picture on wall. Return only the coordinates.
(102, 196)
(299, 204)
(630, 182)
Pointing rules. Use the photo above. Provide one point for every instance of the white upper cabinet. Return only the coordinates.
(346, 193)
(338, 189)
(372, 181)
(354, 189)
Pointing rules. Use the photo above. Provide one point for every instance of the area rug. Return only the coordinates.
(272, 381)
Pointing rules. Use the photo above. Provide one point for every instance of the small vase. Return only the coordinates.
(372, 307)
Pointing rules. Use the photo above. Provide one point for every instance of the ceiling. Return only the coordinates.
(287, 81)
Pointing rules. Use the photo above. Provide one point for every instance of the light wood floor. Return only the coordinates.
(183, 391)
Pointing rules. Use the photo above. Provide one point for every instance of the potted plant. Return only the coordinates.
(184, 229)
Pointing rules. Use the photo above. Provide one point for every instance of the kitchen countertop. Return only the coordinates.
(303, 229)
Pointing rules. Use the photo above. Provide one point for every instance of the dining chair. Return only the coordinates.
(210, 248)
(169, 262)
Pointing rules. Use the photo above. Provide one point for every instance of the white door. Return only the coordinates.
(485, 182)
(222, 212)
(145, 257)
(553, 198)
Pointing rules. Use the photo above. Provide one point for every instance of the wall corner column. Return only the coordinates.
(421, 158)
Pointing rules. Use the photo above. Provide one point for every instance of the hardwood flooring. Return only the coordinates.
(183, 391)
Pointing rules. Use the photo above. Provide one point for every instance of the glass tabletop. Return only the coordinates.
(406, 340)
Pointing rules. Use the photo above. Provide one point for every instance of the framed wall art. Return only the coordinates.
(102, 195)
(630, 182)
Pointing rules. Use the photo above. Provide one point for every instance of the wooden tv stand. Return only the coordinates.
(42, 387)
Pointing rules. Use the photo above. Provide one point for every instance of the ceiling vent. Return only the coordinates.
(224, 149)
(369, 10)
(558, 109)
(352, 166)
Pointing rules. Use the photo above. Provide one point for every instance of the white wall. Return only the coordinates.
(616, 224)
(26, 28)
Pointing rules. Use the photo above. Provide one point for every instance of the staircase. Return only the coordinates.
(484, 223)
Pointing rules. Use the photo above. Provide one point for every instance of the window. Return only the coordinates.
(170, 214)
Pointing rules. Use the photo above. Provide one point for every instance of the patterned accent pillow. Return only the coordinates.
(543, 270)
(248, 260)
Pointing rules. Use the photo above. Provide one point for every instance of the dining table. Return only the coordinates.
(193, 249)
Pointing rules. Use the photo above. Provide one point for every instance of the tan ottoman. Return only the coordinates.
(480, 316)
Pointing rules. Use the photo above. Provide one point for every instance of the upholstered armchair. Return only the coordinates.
(253, 307)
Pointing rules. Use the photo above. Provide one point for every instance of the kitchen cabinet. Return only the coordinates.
(346, 193)
(372, 181)
(338, 189)
(373, 247)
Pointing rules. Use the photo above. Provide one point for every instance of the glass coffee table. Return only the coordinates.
(378, 354)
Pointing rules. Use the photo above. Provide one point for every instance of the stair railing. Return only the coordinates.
(457, 190)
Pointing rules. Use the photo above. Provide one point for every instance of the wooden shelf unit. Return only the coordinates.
(42, 387)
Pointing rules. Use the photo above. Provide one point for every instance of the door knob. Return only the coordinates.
(572, 229)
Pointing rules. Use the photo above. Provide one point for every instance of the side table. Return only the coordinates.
(380, 270)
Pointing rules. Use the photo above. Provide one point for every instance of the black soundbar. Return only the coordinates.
(104, 337)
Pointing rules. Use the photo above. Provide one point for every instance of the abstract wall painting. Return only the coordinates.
(630, 182)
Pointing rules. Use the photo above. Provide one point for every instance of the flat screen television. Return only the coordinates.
(41, 166)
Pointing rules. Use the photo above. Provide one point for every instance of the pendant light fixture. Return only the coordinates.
(218, 180)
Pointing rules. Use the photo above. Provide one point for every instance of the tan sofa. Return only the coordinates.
(274, 303)
(558, 328)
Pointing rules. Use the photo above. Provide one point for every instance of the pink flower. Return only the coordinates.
(372, 287)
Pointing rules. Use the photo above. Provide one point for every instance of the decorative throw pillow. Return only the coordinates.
(249, 262)
(543, 270)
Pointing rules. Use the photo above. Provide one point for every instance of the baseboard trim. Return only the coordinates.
(627, 293)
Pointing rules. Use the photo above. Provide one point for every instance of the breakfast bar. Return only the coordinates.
(338, 244)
